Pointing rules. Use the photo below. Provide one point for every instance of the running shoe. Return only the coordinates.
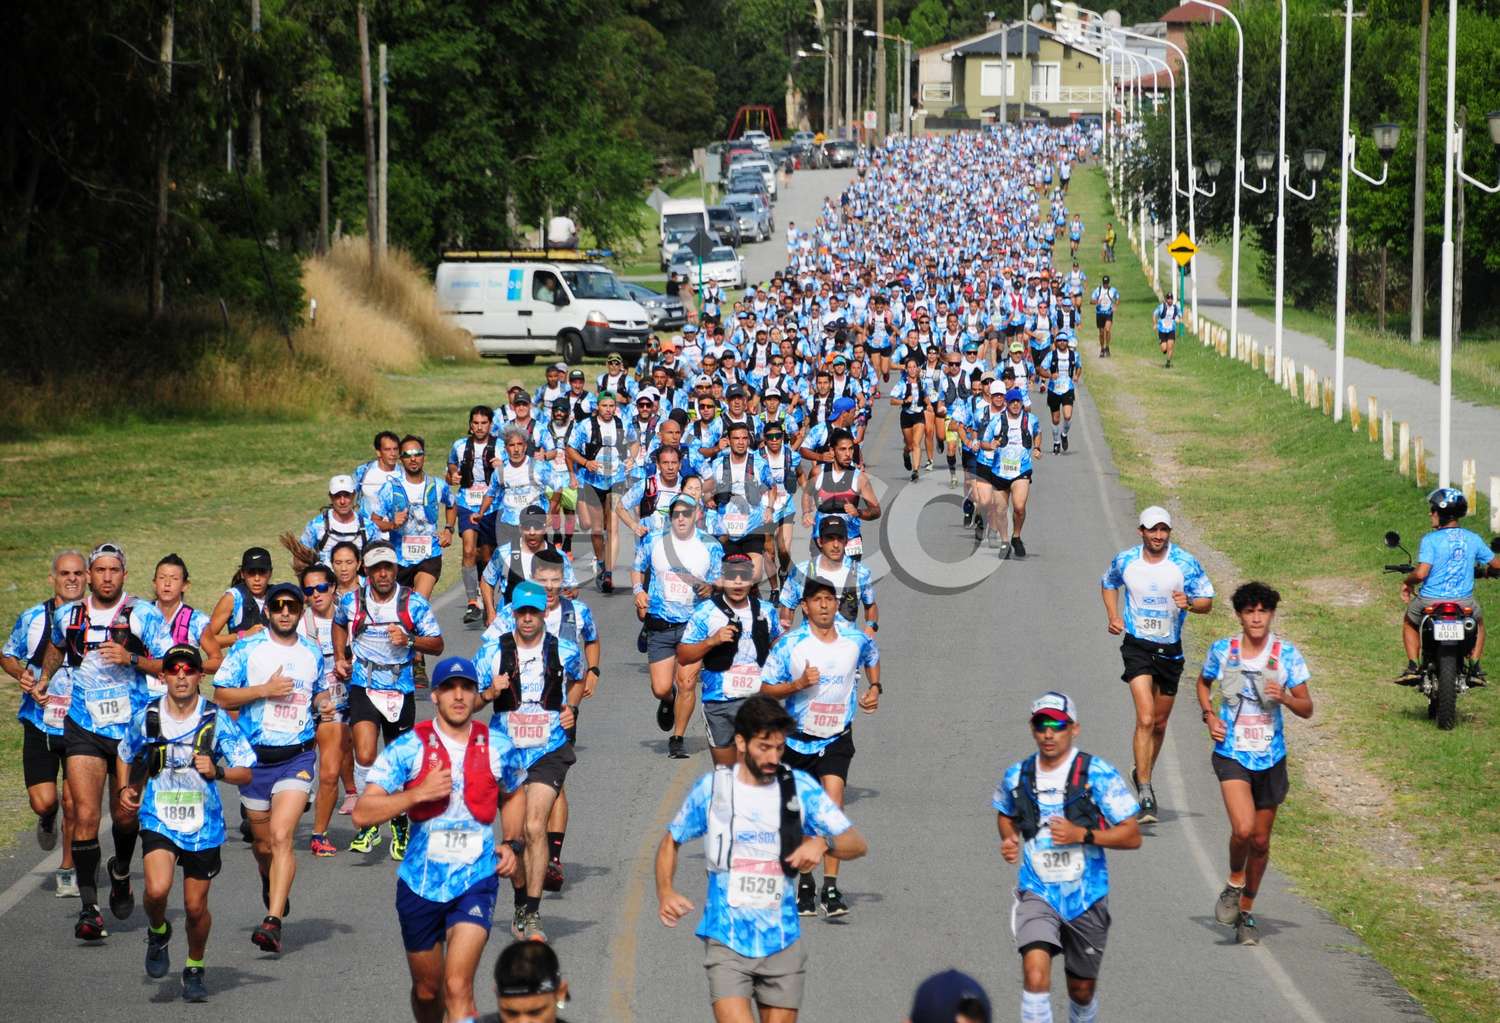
(90, 925)
(158, 962)
(552, 881)
(320, 846)
(530, 924)
(66, 885)
(606, 583)
(1148, 805)
(400, 836)
(472, 615)
(1227, 909)
(366, 840)
(995, 542)
(1065, 442)
(121, 898)
(347, 806)
(914, 474)
(952, 478)
(906, 458)
(1004, 552)
(666, 710)
(1246, 930)
(46, 831)
(1017, 548)
(1057, 447)
(267, 937)
(1411, 676)
(833, 902)
(807, 897)
(518, 923)
(677, 748)
(968, 511)
(193, 988)
(928, 466)
(1169, 366)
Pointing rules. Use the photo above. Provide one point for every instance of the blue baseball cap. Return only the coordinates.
(454, 669)
(1015, 394)
(843, 406)
(528, 595)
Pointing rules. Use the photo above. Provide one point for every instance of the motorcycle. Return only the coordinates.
(1448, 632)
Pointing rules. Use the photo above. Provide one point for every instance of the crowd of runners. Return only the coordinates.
(930, 284)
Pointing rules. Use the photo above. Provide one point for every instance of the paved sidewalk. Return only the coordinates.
(1476, 428)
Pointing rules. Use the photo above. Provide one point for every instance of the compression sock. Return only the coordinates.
(1083, 1013)
(554, 845)
(952, 462)
(1067, 425)
(1036, 1007)
(124, 844)
(86, 863)
(471, 583)
(520, 894)
(361, 772)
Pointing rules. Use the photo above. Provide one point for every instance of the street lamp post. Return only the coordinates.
(870, 33)
(1453, 169)
(1386, 136)
(1239, 169)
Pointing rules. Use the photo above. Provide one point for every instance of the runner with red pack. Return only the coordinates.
(451, 777)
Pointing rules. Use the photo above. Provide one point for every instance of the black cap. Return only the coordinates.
(534, 516)
(735, 392)
(182, 653)
(255, 559)
(833, 525)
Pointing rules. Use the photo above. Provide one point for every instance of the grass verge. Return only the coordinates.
(1292, 499)
(1476, 360)
(206, 490)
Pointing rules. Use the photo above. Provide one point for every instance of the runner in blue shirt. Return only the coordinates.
(172, 745)
(110, 642)
(761, 822)
(1254, 675)
(377, 629)
(275, 681)
(1165, 318)
(600, 450)
(1162, 583)
(1058, 810)
(535, 681)
(408, 508)
(814, 670)
(1447, 561)
(1061, 369)
(471, 465)
(1105, 297)
(452, 776)
(1013, 437)
(340, 521)
(42, 747)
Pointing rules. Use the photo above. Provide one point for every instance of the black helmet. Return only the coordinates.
(1449, 503)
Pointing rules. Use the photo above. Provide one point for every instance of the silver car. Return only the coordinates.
(753, 214)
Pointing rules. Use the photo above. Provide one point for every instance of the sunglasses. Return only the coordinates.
(685, 513)
(278, 606)
(1041, 724)
(418, 453)
(181, 670)
(317, 588)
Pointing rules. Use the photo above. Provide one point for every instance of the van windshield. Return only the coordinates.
(593, 284)
(682, 221)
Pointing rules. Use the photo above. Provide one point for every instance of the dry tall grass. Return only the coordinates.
(391, 318)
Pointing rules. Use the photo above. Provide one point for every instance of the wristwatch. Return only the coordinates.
(874, 626)
(595, 669)
(135, 660)
(1088, 836)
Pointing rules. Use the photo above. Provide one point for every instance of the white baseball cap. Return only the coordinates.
(341, 485)
(997, 387)
(1055, 705)
(1155, 516)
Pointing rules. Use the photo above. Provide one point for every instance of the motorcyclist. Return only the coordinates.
(1448, 560)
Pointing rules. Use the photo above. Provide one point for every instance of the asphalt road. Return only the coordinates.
(959, 670)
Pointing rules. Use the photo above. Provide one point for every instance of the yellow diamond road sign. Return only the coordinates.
(1182, 248)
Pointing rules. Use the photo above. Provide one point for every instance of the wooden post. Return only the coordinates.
(1387, 446)
(1371, 417)
(372, 198)
(1353, 407)
(1419, 458)
(1310, 386)
(1328, 397)
(1467, 473)
(1495, 504)
(1405, 445)
(1289, 376)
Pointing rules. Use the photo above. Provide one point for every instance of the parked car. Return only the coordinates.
(759, 139)
(666, 312)
(723, 265)
(840, 152)
(753, 222)
(724, 223)
(803, 138)
(749, 183)
(675, 238)
(766, 171)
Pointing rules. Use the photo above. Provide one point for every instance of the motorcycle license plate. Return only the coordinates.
(1447, 632)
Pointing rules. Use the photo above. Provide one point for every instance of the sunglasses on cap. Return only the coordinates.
(543, 986)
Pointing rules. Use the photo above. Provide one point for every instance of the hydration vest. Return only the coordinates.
(361, 620)
(515, 572)
(75, 633)
(596, 438)
(718, 841)
(481, 790)
(152, 759)
(1078, 802)
(251, 613)
(181, 625)
(1230, 691)
(510, 666)
(1004, 436)
(721, 657)
(34, 657)
(466, 464)
(831, 495)
(339, 535)
(724, 484)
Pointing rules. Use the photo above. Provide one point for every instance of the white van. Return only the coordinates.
(680, 220)
(525, 304)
